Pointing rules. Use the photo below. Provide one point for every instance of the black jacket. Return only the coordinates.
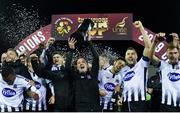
(19, 68)
(85, 85)
(62, 86)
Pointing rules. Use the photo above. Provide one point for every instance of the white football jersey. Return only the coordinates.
(170, 83)
(135, 80)
(12, 95)
(41, 104)
(108, 82)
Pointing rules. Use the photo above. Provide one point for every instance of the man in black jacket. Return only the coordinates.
(85, 79)
(62, 85)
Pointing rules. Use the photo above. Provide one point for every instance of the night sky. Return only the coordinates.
(155, 16)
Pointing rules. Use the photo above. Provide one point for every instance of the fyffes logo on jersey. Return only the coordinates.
(174, 77)
(109, 86)
(128, 76)
(7, 92)
(38, 85)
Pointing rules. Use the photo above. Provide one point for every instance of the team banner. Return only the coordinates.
(160, 50)
(106, 26)
(31, 42)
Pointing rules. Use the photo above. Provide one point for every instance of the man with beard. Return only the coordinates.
(135, 75)
(170, 75)
(85, 80)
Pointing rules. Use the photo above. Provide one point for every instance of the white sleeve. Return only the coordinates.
(144, 61)
(1, 77)
(27, 85)
(48, 81)
(43, 57)
(25, 82)
(33, 89)
(120, 78)
(100, 75)
(51, 86)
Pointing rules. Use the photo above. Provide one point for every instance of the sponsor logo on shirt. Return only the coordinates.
(129, 75)
(174, 77)
(109, 86)
(7, 92)
(37, 85)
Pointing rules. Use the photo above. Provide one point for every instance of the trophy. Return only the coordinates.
(81, 34)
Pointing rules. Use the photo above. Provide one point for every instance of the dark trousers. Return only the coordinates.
(169, 108)
(134, 106)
